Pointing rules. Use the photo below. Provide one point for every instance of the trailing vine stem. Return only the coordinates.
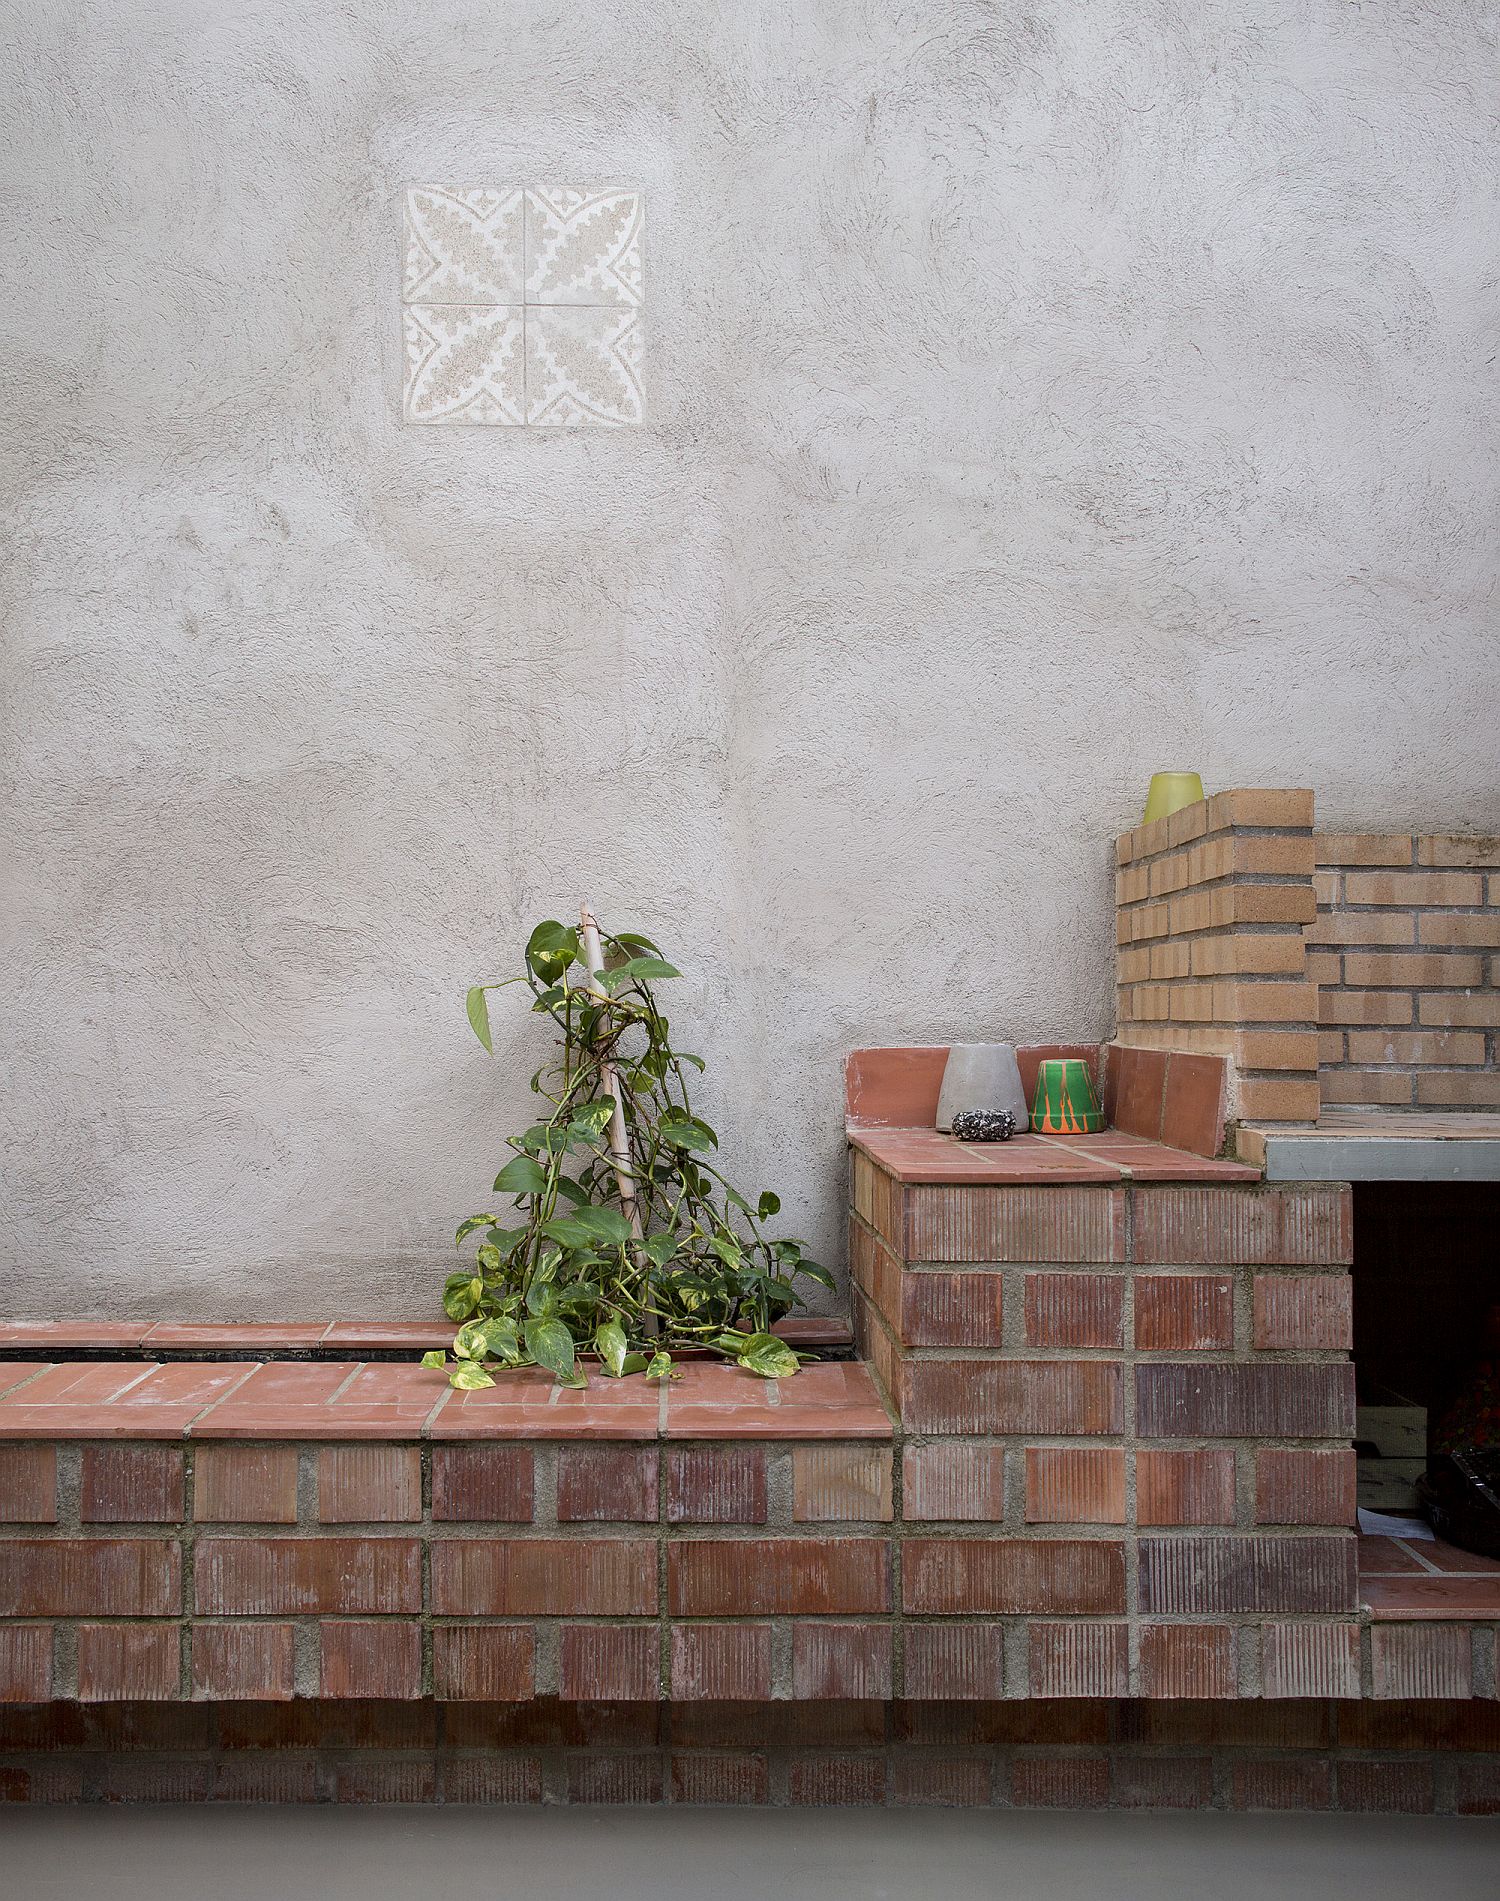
(564, 1268)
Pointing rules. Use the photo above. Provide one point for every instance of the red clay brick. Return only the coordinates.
(1061, 1223)
(129, 1663)
(1477, 1789)
(952, 1310)
(131, 1485)
(261, 1779)
(1391, 1788)
(1184, 1312)
(716, 1485)
(1304, 1310)
(245, 1485)
(1185, 1488)
(373, 1779)
(243, 1663)
(928, 1780)
(1074, 1310)
(264, 1576)
(1060, 1782)
(601, 1663)
(1224, 1226)
(369, 1485)
(1162, 1782)
(1281, 1783)
(375, 1657)
(28, 1485)
(841, 1482)
(722, 1663)
(1079, 1659)
(1309, 1660)
(25, 1663)
(1009, 1576)
(778, 1576)
(483, 1663)
(95, 1577)
(1304, 1487)
(1263, 1400)
(54, 1781)
(838, 1781)
(1228, 1575)
(154, 1779)
(1421, 1660)
(507, 1779)
(617, 1779)
(480, 1484)
(1013, 1396)
(1188, 1660)
(607, 1483)
(732, 1777)
(954, 1662)
(841, 1661)
(545, 1577)
(953, 1482)
(1068, 1486)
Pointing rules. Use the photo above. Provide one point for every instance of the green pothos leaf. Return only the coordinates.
(769, 1357)
(476, 1004)
(469, 1376)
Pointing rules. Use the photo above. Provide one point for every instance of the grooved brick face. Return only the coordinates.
(243, 1663)
(607, 1483)
(954, 1662)
(544, 1577)
(25, 1663)
(720, 1780)
(1078, 1659)
(1060, 1782)
(610, 1663)
(28, 1485)
(716, 1485)
(953, 1482)
(956, 1576)
(1190, 1487)
(1262, 1401)
(778, 1577)
(1295, 1311)
(1013, 1396)
(1217, 1576)
(369, 1485)
(729, 1663)
(1224, 1226)
(852, 1483)
(479, 1484)
(123, 1485)
(997, 1225)
(97, 1577)
(1077, 1486)
(952, 1310)
(128, 1663)
(1177, 1312)
(261, 1576)
(1074, 1310)
(376, 1658)
(1421, 1660)
(1317, 1660)
(245, 1485)
(841, 1661)
(1188, 1660)
(483, 1663)
(1304, 1487)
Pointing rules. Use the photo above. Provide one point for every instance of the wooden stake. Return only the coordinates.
(619, 1138)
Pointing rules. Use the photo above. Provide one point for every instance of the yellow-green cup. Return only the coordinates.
(1169, 792)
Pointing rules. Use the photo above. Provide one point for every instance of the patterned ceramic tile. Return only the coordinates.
(464, 363)
(583, 247)
(464, 247)
(582, 367)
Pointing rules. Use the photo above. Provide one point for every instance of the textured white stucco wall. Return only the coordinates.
(1039, 394)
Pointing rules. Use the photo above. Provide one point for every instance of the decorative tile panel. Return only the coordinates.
(522, 305)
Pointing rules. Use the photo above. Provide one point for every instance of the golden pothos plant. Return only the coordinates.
(619, 1235)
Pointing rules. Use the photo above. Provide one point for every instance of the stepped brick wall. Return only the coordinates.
(1210, 909)
(1405, 951)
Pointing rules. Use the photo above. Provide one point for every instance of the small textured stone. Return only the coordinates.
(984, 1125)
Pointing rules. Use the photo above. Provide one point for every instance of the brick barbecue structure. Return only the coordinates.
(1077, 1530)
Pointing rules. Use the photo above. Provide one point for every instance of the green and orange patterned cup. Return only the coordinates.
(1065, 1103)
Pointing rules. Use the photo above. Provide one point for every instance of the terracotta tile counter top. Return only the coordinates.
(263, 1400)
(923, 1156)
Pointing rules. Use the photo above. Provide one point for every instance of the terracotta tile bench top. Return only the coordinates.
(926, 1157)
(355, 1400)
(1423, 1579)
(816, 1332)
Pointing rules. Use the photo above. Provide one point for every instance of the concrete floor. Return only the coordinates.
(346, 1854)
